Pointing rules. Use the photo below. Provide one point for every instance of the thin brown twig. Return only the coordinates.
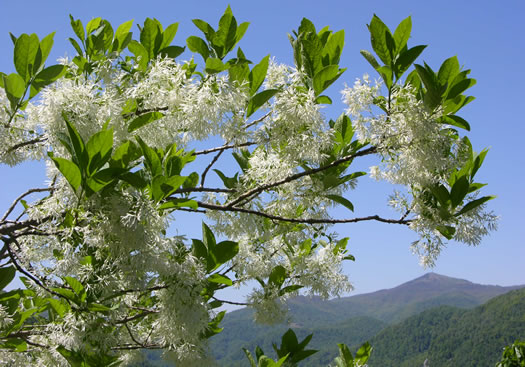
(205, 172)
(17, 200)
(224, 147)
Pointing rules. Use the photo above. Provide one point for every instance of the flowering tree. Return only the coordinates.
(130, 135)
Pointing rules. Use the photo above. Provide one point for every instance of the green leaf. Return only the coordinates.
(214, 65)
(171, 51)
(402, 33)
(250, 357)
(477, 162)
(345, 356)
(474, 204)
(7, 274)
(143, 120)
(289, 289)
(277, 276)
(197, 44)
(14, 87)
(441, 193)
(363, 353)
(333, 48)
(74, 358)
(99, 149)
(151, 37)
(77, 287)
(122, 34)
(229, 182)
(459, 191)
(448, 70)
(341, 200)
(97, 307)
(162, 187)
(93, 25)
(26, 50)
(78, 28)
(151, 158)
(325, 77)
(241, 30)
(378, 37)
(406, 59)
(61, 308)
(260, 99)
(225, 251)
(126, 153)
(70, 171)
(447, 231)
(226, 36)
(323, 100)
(141, 54)
(454, 121)
(220, 279)
(45, 48)
(77, 143)
(49, 75)
(179, 203)
(258, 74)
(460, 87)
(14, 344)
(370, 58)
(168, 35)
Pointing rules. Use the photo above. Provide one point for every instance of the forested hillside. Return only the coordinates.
(449, 336)
(349, 320)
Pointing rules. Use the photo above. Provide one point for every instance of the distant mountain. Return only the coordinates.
(350, 320)
(448, 336)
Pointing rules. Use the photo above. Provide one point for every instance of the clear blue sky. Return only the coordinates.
(487, 37)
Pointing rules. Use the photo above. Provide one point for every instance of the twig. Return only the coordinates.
(231, 302)
(23, 144)
(28, 274)
(301, 220)
(254, 122)
(296, 176)
(202, 189)
(28, 192)
(224, 147)
(205, 172)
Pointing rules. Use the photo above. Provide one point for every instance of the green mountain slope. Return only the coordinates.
(449, 336)
(349, 320)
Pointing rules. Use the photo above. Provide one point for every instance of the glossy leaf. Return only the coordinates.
(474, 204)
(378, 36)
(277, 276)
(197, 44)
(26, 50)
(258, 74)
(225, 251)
(70, 171)
(341, 200)
(144, 120)
(7, 274)
(260, 99)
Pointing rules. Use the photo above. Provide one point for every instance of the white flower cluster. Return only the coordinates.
(417, 152)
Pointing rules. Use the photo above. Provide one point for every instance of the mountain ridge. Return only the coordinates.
(326, 317)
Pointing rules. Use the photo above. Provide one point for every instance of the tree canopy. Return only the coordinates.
(131, 135)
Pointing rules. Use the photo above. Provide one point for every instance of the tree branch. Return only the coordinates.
(296, 176)
(224, 147)
(205, 172)
(28, 192)
(301, 220)
(25, 143)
